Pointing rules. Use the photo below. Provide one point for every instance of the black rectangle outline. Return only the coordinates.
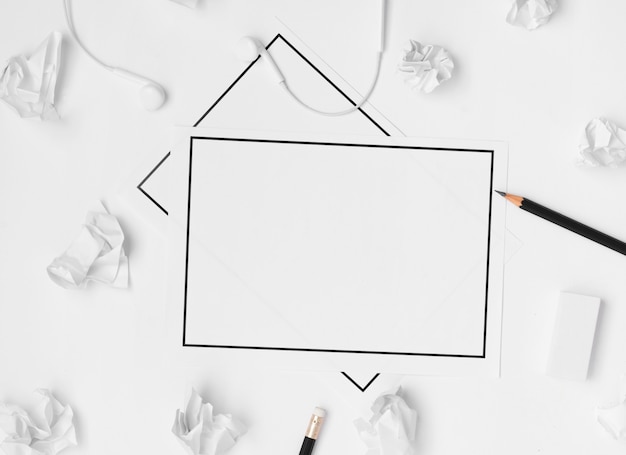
(396, 147)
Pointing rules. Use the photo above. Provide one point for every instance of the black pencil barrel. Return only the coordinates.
(573, 225)
(307, 446)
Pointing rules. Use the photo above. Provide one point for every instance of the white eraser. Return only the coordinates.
(572, 339)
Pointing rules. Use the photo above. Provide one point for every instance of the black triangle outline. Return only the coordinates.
(139, 187)
(358, 386)
(230, 87)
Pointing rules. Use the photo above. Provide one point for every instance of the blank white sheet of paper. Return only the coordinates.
(339, 252)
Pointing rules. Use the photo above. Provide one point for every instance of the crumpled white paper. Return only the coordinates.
(603, 143)
(613, 418)
(531, 14)
(46, 431)
(27, 83)
(392, 427)
(201, 432)
(425, 67)
(96, 254)
(187, 3)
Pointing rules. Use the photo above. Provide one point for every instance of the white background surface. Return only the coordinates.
(101, 350)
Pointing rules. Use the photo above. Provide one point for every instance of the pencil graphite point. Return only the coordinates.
(501, 193)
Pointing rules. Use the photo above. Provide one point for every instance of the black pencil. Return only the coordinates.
(566, 222)
(312, 431)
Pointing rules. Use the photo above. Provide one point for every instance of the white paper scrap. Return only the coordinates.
(425, 67)
(392, 427)
(603, 143)
(96, 254)
(201, 432)
(27, 83)
(613, 418)
(531, 14)
(46, 431)
(187, 3)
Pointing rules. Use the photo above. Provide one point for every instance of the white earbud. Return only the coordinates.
(151, 94)
(249, 49)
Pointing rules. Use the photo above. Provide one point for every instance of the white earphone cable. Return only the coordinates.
(381, 48)
(151, 94)
(70, 25)
(346, 111)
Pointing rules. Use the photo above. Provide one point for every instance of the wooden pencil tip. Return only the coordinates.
(501, 193)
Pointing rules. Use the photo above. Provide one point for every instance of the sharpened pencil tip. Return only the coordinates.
(501, 193)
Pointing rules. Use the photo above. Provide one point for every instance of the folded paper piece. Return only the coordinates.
(603, 143)
(27, 83)
(46, 431)
(96, 254)
(201, 432)
(613, 418)
(188, 3)
(392, 427)
(425, 67)
(531, 14)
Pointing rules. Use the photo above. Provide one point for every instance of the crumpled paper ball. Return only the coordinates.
(613, 418)
(46, 431)
(96, 254)
(27, 84)
(201, 432)
(392, 428)
(425, 67)
(531, 14)
(603, 143)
